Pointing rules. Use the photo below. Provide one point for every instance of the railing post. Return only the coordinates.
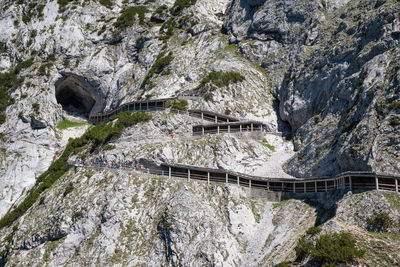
(202, 130)
(240, 127)
(249, 183)
(283, 187)
(294, 187)
(316, 189)
(169, 172)
(326, 186)
(147, 106)
(202, 116)
(252, 127)
(268, 185)
(396, 183)
(229, 129)
(376, 182)
(218, 129)
(188, 174)
(238, 180)
(208, 178)
(305, 187)
(216, 119)
(350, 183)
(140, 106)
(226, 178)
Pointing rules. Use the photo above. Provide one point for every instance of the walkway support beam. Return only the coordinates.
(350, 184)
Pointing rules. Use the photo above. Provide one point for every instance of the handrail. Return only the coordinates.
(297, 185)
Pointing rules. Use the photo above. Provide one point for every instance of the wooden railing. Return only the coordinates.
(344, 181)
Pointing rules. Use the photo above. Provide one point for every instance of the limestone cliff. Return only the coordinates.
(324, 73)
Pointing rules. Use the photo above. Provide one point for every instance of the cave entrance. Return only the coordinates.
(75, 96)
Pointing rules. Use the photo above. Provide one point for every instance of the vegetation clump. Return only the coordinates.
(380, 222)
(179, 5)
(177, 104)
(93, 139)
(218, 79)
(106, 3)
(9, 81)
(329, 249)
(128, 17)
(158, 67)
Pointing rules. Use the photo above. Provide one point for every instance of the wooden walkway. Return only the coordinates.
(222, 123)
(351, 181)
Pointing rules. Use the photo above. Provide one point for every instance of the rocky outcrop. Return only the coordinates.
(117, 217)
(37, 124)
(334, 56)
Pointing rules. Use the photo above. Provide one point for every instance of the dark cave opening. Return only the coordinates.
(75, 97)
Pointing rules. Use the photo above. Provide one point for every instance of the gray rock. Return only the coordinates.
(37, 124)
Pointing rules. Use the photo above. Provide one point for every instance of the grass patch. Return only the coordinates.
(279, 204)
(65, 124)
(265, 143)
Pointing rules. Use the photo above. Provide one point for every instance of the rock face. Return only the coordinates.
(324, 72)
(112, 218)
(337, 61)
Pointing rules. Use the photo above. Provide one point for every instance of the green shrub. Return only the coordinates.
(177, 104)
(36, 108)
(314, 230)
(380, 222)
(303, 249)
(44, 68)
(9, 81)
(128, 17)
(68, 190)
(218, 79)
(394, 121)
(329, 250)
(161, 9)
(106, 3)
(179, 5)
(159, 65)
(3, 47)
(23, 65)
(167, 29)
(336, 249)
